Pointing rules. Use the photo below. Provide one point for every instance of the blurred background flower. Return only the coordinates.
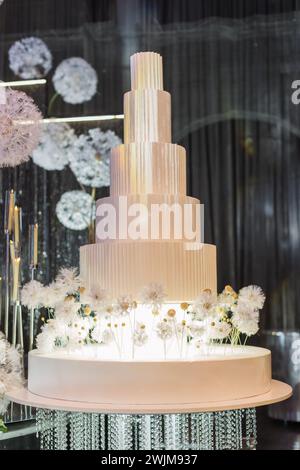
(76, 210)
(75, 80)
(20, 128)
(56, 142)
(30, 58)
(90, 157)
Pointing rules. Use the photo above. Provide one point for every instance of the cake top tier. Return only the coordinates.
(146, 71)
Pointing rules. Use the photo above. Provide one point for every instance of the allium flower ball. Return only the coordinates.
(75, 80)
(30, 58)
(90, 157)
(20, 127)
(76, 210)
(56, 142)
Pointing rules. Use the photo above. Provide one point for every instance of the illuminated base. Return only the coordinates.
(62, 430)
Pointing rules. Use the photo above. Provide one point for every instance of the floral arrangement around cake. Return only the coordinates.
(77, 319)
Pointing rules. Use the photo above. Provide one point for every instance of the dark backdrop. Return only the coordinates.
(229, 66)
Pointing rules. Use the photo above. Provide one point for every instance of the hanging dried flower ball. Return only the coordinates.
(20, 127)
(90, 157)
(52, 152)
(75, 80)
(76, 210)
(30, 58)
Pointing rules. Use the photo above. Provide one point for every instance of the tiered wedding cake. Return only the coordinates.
(147, 171)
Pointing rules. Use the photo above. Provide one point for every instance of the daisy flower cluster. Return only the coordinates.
(79, 317)
(11, 373)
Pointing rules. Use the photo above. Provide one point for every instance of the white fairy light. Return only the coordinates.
(30, 58)
(75, 80)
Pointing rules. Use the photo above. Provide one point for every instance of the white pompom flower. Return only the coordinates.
(164, 330)
(90, 157)
(55, 146)
(153, 294)
(33, 294)
(75, 80)
(252, 297)
(30, 58)
(204, 304)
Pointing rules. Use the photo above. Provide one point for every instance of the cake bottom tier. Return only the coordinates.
(228, 373)
(126, 267)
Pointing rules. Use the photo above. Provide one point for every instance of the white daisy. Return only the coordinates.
(164, 330)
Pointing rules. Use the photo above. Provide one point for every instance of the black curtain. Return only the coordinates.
(229, 66)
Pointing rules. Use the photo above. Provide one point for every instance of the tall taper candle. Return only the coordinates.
(35, 244)
(17, 226)
(16, 276)
(11, 211)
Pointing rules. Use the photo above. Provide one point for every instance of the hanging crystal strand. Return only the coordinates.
(125, 432)
(157, 439)
(250, 424)
(136, 427)
(103, 431)
(232, 435)
(220, 430)
(76, 431)
(112, 432)
(229, 430)
(195, 431)
(185, 431)
(45, 428)
(145, 432)
(95, 431)
(237, 420)
(87, 429)
(40, 426)
(173, 432)
(60, 426)
(206, 428)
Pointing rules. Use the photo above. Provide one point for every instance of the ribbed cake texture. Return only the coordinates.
(148, 170)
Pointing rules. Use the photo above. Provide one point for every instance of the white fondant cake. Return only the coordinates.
(149, 170)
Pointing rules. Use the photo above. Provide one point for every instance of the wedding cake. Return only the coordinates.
(149, 171)
(136, 247)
